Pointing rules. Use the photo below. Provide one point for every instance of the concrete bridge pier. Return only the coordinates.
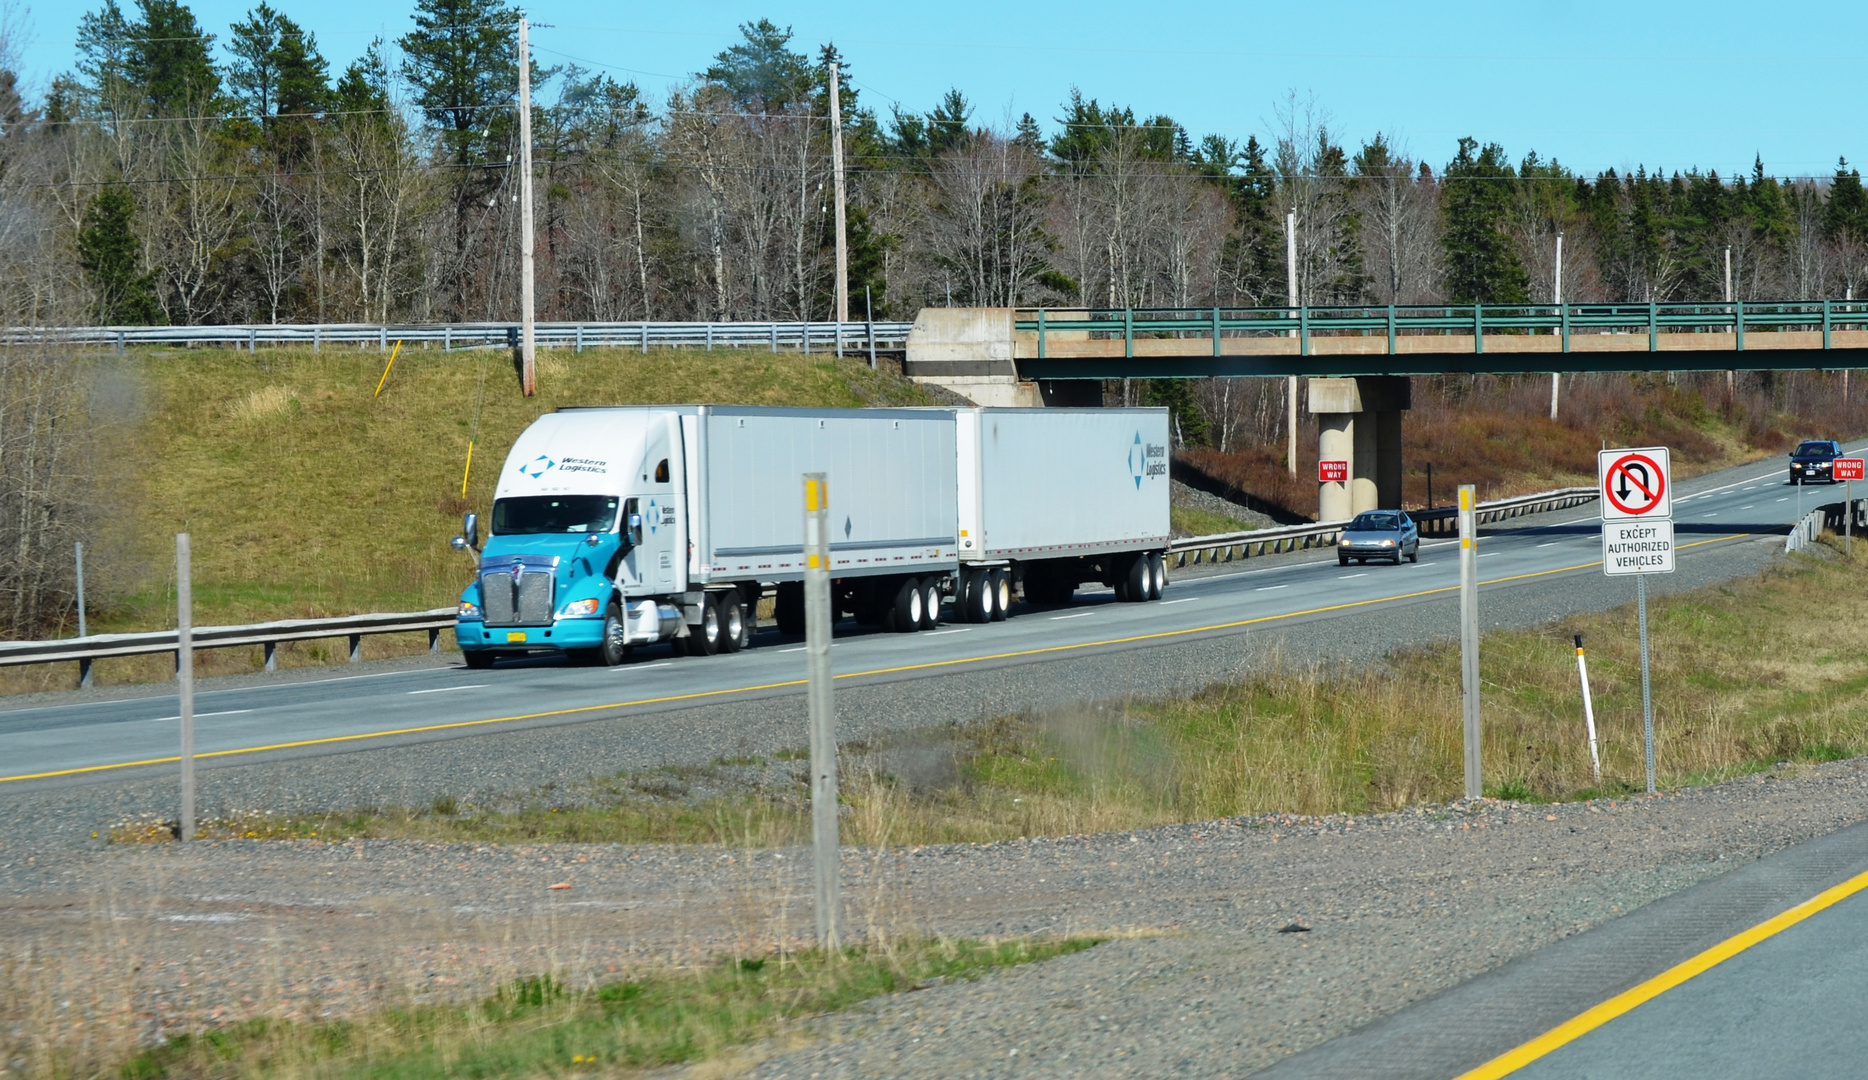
(1359, 421)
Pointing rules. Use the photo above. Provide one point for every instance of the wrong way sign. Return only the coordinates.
(1635, 483)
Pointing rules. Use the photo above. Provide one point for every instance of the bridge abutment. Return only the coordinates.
(1359, 421)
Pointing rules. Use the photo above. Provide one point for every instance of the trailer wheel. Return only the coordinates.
(999, 584)
(904, 614)
(1157, 573)
(975, 599)
(734, 635)
(930, 603)
(1137, 580)
(788, 610)
(479, 659)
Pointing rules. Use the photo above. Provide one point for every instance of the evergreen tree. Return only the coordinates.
(107, 251)
(170, 60)
(277, 69)
(1482, 268)
(762, 73)
(463, 60)
(1846, 213)
(101, 86)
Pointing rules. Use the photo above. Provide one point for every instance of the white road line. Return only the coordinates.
(1268, 588)
(1346, 577)
(1182, 600)
(1552, 543)
(955, 630)
(445, 689)
(1078, 615)
(1784, 499)
(1747, 506)
(1487, 554)
(665, 663)
(1715, 513)
(200, 715)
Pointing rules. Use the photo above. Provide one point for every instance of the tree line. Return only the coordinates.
(175, 177)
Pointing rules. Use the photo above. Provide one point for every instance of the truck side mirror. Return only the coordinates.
(470, 529)
(635, 528)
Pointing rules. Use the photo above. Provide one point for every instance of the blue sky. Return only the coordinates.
(1595, 84)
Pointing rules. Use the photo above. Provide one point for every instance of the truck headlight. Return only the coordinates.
(469, 610)
(579, 608)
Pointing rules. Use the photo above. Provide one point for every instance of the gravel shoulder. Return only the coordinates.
(1198, 979)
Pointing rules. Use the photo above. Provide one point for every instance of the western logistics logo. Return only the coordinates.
(1146, 460)
(538, 466)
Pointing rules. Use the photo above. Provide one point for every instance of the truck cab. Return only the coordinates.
(586, 553)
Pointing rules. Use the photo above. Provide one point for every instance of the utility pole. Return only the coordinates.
(528, 351)
(1556, 377)
(836, 165)
(1469, 635)
(1290, 385)
(1728, 299)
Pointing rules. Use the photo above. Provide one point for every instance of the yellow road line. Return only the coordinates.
(1582, 1024)
(1161, 635)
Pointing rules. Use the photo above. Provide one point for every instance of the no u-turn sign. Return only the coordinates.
(1635, 483)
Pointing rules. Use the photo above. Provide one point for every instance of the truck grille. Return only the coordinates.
(524, 599)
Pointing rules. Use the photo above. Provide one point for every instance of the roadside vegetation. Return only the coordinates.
(539, 1026)
(1745, 679)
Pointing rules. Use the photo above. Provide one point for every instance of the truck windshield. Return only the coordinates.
(554, 514)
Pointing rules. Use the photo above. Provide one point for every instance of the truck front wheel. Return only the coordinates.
(615, 647)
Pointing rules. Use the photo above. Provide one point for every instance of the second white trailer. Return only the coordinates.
(1051, 499)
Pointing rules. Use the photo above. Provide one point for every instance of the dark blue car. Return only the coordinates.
(1815, 461)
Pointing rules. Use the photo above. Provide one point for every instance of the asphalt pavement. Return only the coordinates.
(92, 739)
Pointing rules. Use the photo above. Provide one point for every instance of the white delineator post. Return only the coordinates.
(822, 706)
(1589, 713)
(1290, 383)
(528, 352)
(1469, 635)
(185, 677)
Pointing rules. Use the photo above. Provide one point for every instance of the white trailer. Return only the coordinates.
(1053, 498)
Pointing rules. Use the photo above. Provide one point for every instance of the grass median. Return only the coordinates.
(1747, 674)
(541, 1027)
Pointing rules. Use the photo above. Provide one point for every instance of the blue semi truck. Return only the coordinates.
(614, 528)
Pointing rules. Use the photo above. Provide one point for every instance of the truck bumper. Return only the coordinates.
(564, 634)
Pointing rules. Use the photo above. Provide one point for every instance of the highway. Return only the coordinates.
(349, 712)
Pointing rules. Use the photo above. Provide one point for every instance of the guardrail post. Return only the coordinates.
(1825, 324)
(317, 339)
(272, 655)
(382, 339)
(645, 339)
(775, 339)
(1738, 322)
(807, 338)
(356, 648)
(1303, 331)
(580, 337)
(447, 339)
(434, 639)
(1653, 326)
(1563, 315)
(1478, 329)
(252, 341)
(1216, 332)
(1128, 332)
(710, 337)
(1040, 333)
(84, 673)
(1391, 329)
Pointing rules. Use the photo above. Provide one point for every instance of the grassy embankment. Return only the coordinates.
(536, 1026)
(1746, 674)
(306, 496)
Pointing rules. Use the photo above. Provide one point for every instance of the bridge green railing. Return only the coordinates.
(1477, 320)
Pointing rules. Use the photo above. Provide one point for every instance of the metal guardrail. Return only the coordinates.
(85, 650)
(803, 336)
(1826, 517)
(1654, 320)
(1226, 547)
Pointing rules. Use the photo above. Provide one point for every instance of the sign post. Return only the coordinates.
(1848, 470)
(822, 707)
(1637, 538)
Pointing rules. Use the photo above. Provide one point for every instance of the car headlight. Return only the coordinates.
(577, 608)
(469, 610)
(1388, 543)
(1344, 541)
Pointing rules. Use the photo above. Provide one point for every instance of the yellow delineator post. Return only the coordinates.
(1469, 635)
(822, 706)
(393, 353)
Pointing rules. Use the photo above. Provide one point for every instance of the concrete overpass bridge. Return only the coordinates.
(1358, 359)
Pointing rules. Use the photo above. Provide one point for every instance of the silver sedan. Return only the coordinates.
(1379, 534)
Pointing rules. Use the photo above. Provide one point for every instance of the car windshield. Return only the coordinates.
(1375, 523)
(1815, 449)
(554, 514)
